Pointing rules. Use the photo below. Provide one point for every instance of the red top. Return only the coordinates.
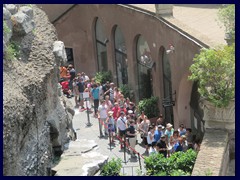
(65, 85)
(116, 112)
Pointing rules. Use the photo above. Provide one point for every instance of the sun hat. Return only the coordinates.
(160, 126)
(163, 136)
(110, 113)
(169, 125)
(130, 111)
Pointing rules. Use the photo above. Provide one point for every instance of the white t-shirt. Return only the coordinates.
(103, 111)
(149, 141)
(121, 123)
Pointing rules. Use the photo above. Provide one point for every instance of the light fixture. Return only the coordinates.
(171, 49)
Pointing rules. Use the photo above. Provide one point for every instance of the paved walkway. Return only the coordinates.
(80, 120)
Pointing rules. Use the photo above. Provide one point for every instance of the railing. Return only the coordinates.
(137, 171)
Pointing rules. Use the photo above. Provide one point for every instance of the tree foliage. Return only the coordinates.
(226, 15)
(215, 72)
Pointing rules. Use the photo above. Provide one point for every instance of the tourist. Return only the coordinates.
(110, 124)
(72, 75)
(158, 133)
(110, 91)
(102, 117)
(81, 88)
(143, 128)
(108, 103)
(122, 126)
(162, 146)
(189, 137)
(95, 96)
(75, 91)
(116, 113)
(160, 121)
(132, 136)
(181, 130)
(179, 145)
(150, 137)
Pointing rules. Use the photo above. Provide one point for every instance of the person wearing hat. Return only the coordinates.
(162, 146)
(110, 124)
(122, 126)
(168, 133)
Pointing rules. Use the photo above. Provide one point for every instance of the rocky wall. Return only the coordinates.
(35, 121)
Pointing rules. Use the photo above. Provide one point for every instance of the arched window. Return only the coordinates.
(167, 85)
(121, 57)
(144, 61)
(101, 41)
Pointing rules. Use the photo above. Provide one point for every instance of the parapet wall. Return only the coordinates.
(213, 158)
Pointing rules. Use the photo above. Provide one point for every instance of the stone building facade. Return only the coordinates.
(140, 48)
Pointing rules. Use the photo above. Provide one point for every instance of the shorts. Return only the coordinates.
(145, 141)
(111, 128)
(122, 133)
(81, 96)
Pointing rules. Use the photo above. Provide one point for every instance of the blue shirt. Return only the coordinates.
(95, 93)
(157, 135)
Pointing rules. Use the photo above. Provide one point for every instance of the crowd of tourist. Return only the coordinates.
(118, 116)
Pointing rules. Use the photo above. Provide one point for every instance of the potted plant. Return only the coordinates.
(103, 76)
(150, 108)
(214, 70)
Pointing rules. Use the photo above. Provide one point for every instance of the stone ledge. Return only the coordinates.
(211, 157)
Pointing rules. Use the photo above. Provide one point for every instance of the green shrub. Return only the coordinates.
(149, 106)
(226, 15)
(103, 77)
(178, 163)
(6, 29)
(179, 172)
(12, 51)
(126, 91)
(112, 168)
